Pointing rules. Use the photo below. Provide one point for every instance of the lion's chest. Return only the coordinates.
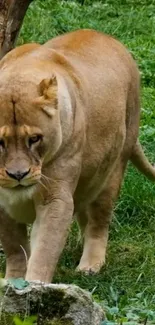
(22, 211)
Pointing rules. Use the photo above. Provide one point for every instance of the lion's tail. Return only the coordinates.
(139, 159)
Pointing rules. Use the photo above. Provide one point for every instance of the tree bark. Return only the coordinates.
(12, 13)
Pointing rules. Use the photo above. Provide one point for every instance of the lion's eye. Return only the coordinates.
(2, 143)
(34, 139)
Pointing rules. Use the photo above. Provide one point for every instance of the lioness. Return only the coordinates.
(69, 119)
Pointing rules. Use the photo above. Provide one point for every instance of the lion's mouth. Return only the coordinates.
(18, 193)
(20, 187)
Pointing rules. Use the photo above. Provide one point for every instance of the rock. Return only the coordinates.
(53, 304)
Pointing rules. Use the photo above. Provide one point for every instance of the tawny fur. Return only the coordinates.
(69, 119)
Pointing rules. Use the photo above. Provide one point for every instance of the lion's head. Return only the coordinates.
(30, 128)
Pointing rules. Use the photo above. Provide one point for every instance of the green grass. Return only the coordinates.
(128, 280)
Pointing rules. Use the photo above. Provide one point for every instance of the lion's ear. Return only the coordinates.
(48, 88)
(48, 99)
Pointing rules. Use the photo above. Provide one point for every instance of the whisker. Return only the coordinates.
(46, 176)
(25, 254)
(41, 183)
(49, 179)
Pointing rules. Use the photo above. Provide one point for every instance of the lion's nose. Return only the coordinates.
(18, 175)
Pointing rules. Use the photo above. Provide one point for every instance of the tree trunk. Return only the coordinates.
(12, 13)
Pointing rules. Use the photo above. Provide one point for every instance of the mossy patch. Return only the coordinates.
(60, 322)
(52, 305)
(50, 308)
(6, 319)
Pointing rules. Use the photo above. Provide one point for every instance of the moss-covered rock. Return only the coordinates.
(52, 304)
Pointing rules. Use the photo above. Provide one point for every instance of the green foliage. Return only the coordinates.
(32, 320)
(126, 285)
(130, 21)
(28, 321)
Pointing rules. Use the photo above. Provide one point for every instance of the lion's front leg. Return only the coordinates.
(13, 237)
(48, 237)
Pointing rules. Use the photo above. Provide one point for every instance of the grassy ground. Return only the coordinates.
(127, 283)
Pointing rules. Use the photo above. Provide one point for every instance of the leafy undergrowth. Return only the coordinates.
(126, 285)
(28, 321)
